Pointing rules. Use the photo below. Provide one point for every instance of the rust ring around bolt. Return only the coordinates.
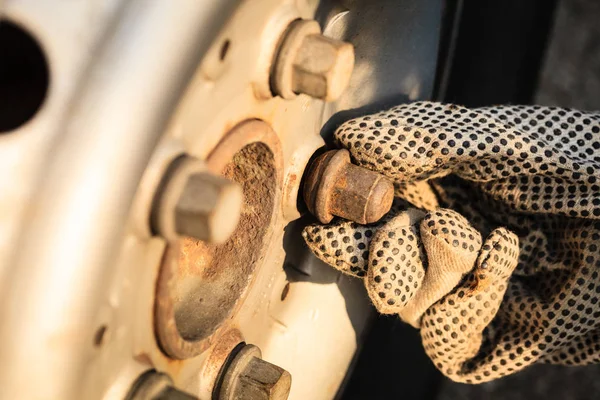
(222, 278)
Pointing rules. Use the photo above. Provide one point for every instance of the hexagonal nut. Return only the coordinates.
(310, 63)
(263, 380)
(322, 67)
(194, 202)
(248, 377)
(209, 208)
(335, 186)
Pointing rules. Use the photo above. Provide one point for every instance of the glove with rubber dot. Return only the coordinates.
(516, 281)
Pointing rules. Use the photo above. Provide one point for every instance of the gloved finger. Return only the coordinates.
(455, 331)
(344, 244)
(451, 245)
(526, 169)
(396, 259)
(496, 261)
(416, 259)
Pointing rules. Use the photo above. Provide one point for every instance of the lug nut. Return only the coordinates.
(335, 186)
(156, 386)
(310, 63)
(248, 377)
(193, 202)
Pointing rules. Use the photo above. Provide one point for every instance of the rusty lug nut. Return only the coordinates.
(335, 186)
(194, 202)
(156, 386)
(310, 63)
(248, 377)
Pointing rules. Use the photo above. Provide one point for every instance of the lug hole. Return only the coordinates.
(224, 49)
(285, 291)
(24, 76)
(100, 335)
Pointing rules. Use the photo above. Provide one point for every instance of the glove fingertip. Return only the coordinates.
(395, 263)
(343, 245)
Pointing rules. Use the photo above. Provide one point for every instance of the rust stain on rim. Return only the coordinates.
(200, 286)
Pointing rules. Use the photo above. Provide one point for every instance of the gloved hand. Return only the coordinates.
(526, 179)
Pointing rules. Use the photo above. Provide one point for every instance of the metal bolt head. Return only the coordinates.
(312, 64)
(209, 208)
(263, 380)
(333, 186)
(248, 377)
(322, 67)
(196, 203)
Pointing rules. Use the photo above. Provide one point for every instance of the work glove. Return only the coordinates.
(491, 246)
